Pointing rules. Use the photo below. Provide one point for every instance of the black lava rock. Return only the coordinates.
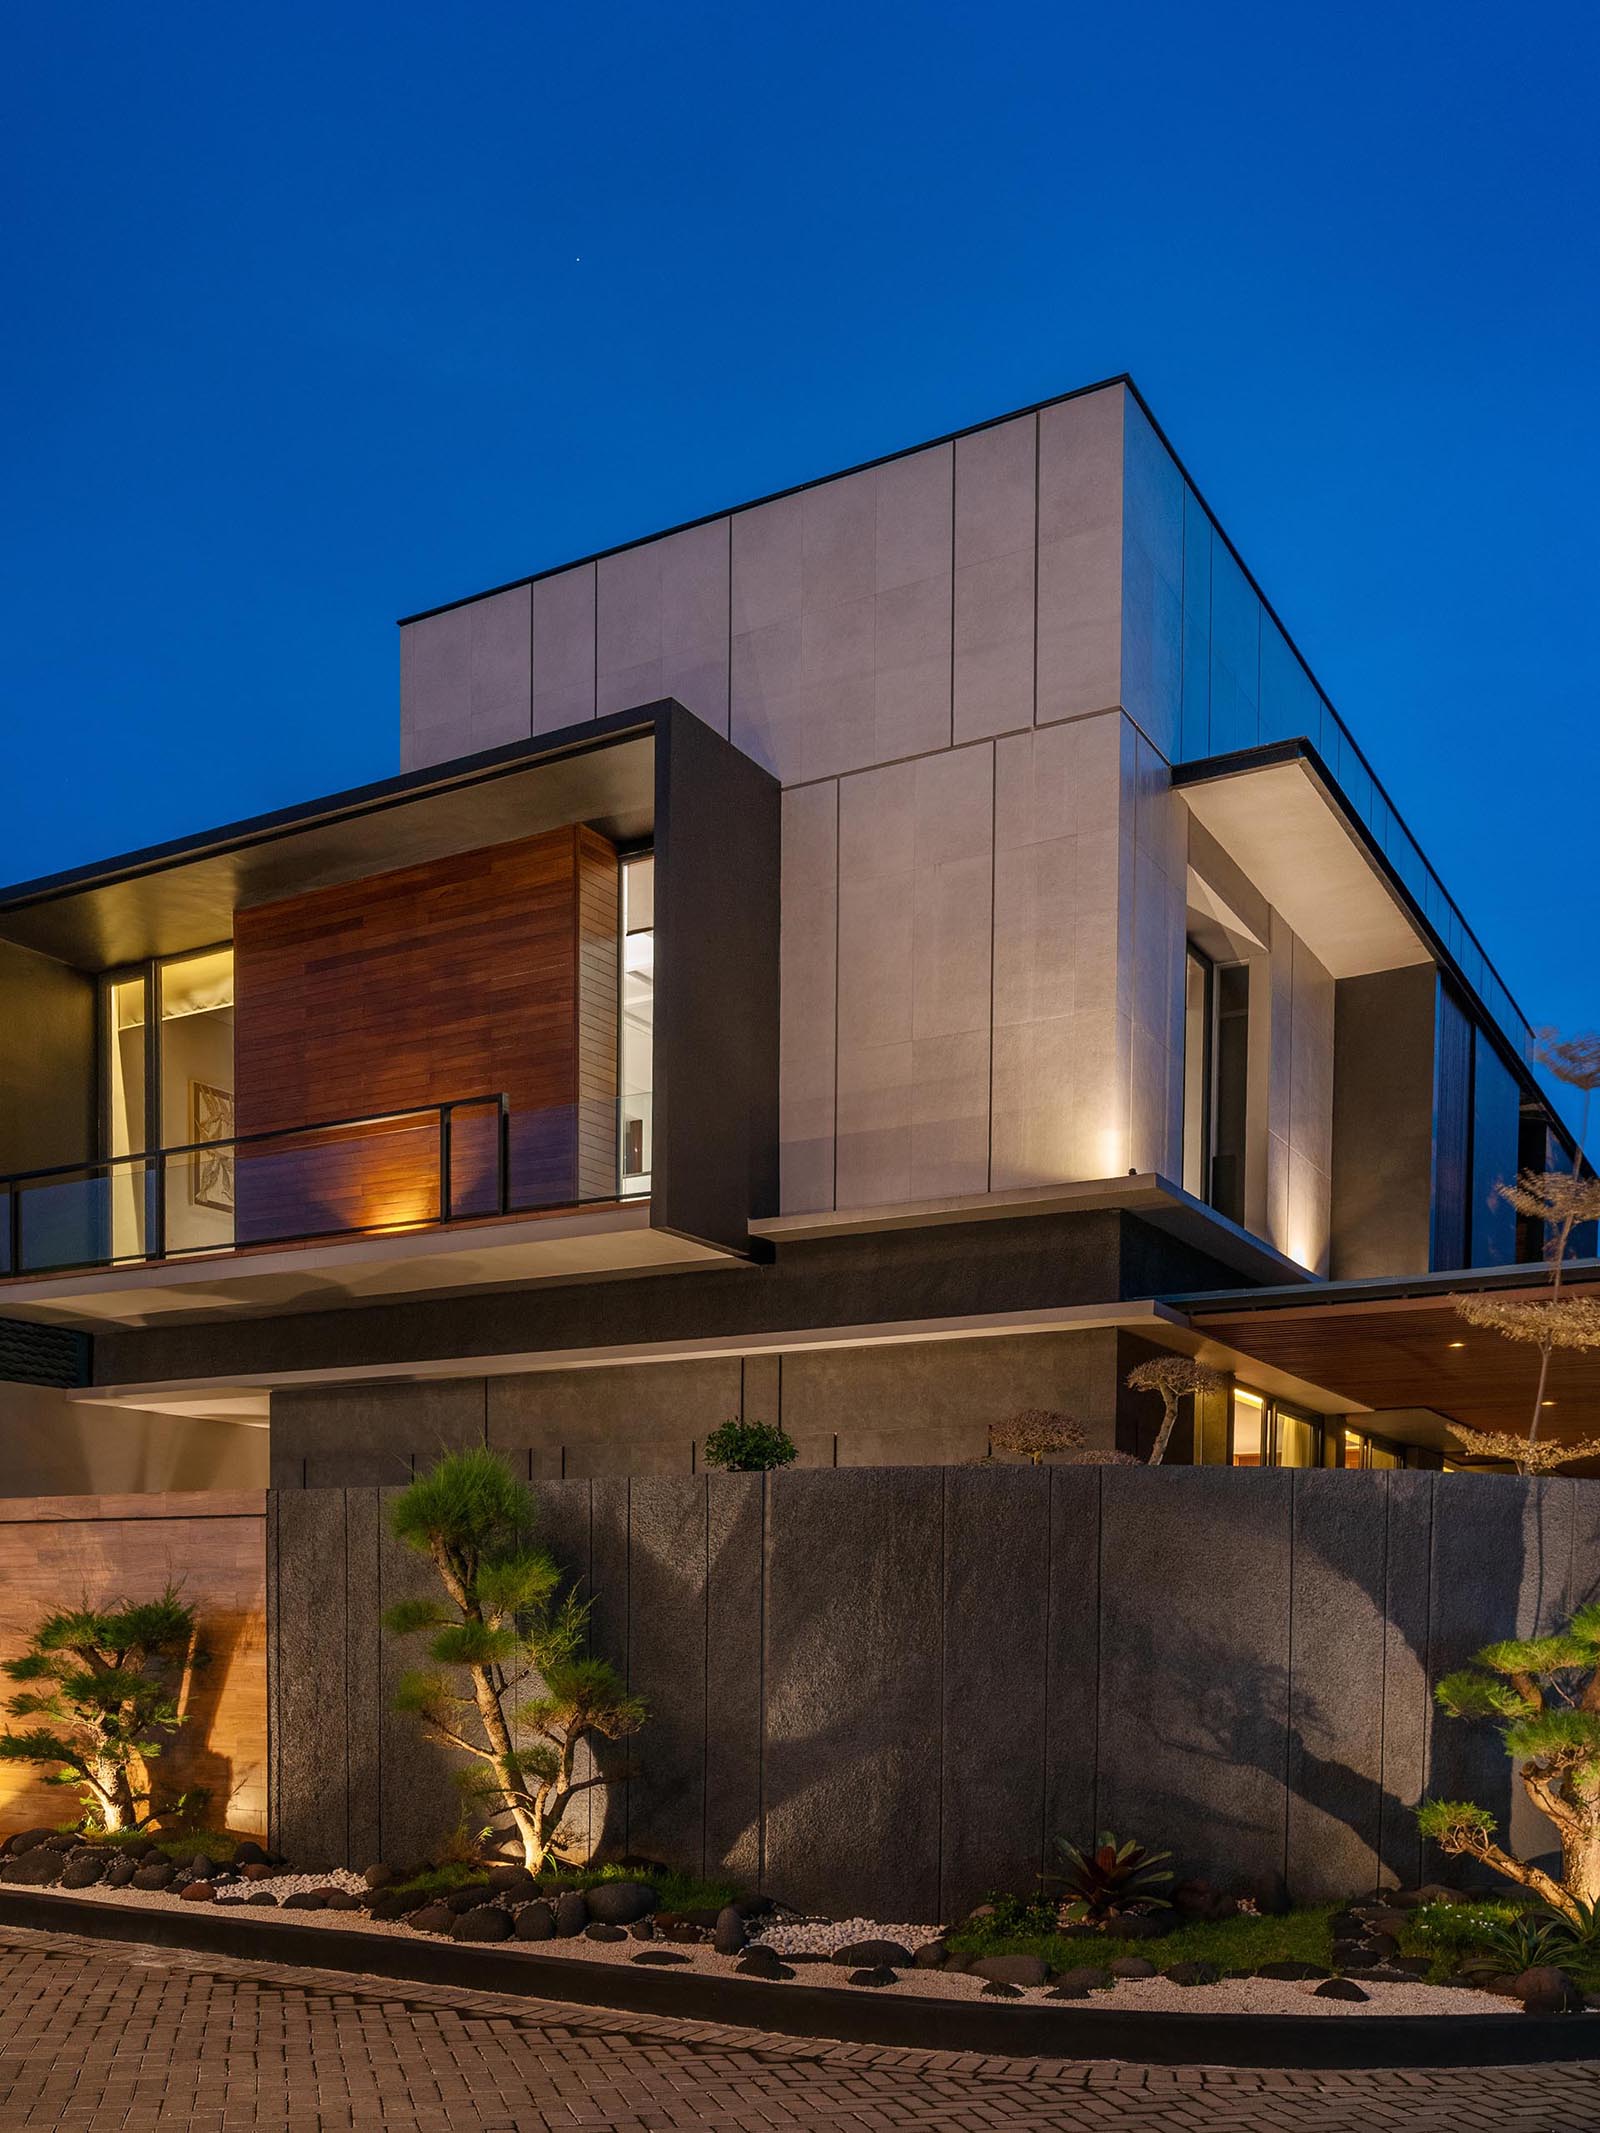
(120, 1872)
(487, 1922)
(874, 1955)
(37, 1868)
(620, 1903)
(536, 1921)
(876, 1975)
(572, 1913)
(155, 1874)
(84, 1869)
(467, 1899)
(1339, 1988)
(27, 1840)
(1192, 1974)
(601, 1931)
(730, 1935)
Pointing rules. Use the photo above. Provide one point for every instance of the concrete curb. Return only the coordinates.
(845, 2015)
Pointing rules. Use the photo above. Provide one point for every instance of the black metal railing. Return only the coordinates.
(395, 1170)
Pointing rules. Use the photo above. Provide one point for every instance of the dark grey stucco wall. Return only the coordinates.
(1383, 1123)
(888, 1688)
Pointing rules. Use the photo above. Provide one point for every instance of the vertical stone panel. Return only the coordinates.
(852, 1689)
(808, 1033)
(310, 1813)
(1338, 1629)
(1194, 1670)
(608, 1639)
(363, 1674)
(994, 579)
(1072, 1658)
(992, 1779)
(1407, 1690)
(1080, 556)
(733, 1677)
(667, 1559)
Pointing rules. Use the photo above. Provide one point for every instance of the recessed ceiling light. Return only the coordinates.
(1547, 1403)
(1457, 1344)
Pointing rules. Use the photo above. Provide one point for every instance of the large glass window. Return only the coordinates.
(635, 1066)
(165, 1088)
(1197, 1016)
(1216, 1081)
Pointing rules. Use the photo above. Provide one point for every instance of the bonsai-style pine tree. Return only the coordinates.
(1562, 1201)
(1036, 1435)
(1543, 1693)
(1176, 1378)
(102, 1685)
(509, 1684)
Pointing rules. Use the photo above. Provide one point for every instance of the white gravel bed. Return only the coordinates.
(820, 1936)
(1254, 1995)
(281, 1885)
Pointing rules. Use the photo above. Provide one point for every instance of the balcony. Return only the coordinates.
(415, 1034)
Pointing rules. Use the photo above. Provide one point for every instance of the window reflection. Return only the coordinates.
(635, 1066)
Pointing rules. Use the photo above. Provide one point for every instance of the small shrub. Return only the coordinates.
(1036, 1435)
(1111, 1878)
(750, 1447)
(102, 1685)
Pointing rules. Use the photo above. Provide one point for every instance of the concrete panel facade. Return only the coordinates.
(895, 1687)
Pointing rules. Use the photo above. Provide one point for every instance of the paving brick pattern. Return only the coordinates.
(95, 2038)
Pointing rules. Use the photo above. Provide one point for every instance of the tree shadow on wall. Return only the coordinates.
(198, 1761)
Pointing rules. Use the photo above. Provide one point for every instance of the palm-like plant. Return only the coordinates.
(1109, 1878)
(509, 1683)
(103, 1685)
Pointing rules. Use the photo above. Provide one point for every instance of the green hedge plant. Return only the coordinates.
(750, 1447)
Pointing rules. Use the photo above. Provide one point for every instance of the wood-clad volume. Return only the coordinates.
(488, 972)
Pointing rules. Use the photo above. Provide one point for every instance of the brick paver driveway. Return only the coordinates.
(95, 2038)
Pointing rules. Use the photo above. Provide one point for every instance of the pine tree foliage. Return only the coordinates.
(1176, 1378)
(1542, 1694)
(102, 1688)
(509, 1681)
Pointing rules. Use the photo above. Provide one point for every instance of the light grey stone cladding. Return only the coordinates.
(964, 667)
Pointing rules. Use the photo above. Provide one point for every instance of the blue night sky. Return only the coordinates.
(317, 316)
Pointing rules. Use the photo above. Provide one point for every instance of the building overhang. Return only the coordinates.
(1400, 1349)
(253, 1281)
(1283, 821)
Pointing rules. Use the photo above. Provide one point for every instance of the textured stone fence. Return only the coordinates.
(891, 1687)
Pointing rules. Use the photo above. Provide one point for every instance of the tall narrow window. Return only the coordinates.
(636, 1064)
(1197, 1020)
(125, 1007)
(197, 1099)
(1251, 1446)
(1231, 1074)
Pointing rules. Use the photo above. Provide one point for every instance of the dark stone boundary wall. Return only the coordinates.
(889, 1687)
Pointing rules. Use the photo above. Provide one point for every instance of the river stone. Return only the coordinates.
(432, 1918)
(261, 1896)
(1009, 1969)
(487, 1922)
(536, 1921)
(1291, 1973)
(1339, 1988)
(377, 1876)
(572, 1913)
(1192, 1974)
(930, 1956)
(37, 1868)
(874, 1955)
(998, 1989)
(877, 1974)
(601, 1931)
(248, 1853)
(759, 1961)
(155, 1874)
(620, 1903)
(307, 1900)
(658, 1955)
(120, 1872)
(729, 1935)
(468, 1898)
(1077, 1984)
(84, 1869)
(1543, 1989)
(342, 1900)
(1132, 1966)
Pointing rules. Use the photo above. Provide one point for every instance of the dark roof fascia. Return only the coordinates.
(1328, 1295)
(384, 793)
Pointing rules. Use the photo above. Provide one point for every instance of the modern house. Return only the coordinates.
(886, 956)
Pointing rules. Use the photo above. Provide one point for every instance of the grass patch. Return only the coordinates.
(440, 1881)
(217, 1845)
(1230, 1943)
(674, 1891)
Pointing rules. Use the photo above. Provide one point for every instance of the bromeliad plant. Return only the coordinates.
(1543, 1695)
(103, 1685)
(1109, 1880)
(510, 1683)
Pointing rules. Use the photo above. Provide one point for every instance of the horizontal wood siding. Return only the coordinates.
(457, 978)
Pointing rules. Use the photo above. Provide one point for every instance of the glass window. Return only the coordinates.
(1249, 1429)
(1197, 1075)
(1231, 1082)
(125, 1005)
(1299, 1439)
(635, 1067)
(197, 1098)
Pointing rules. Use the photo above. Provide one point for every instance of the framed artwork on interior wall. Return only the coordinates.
(211, 1171)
